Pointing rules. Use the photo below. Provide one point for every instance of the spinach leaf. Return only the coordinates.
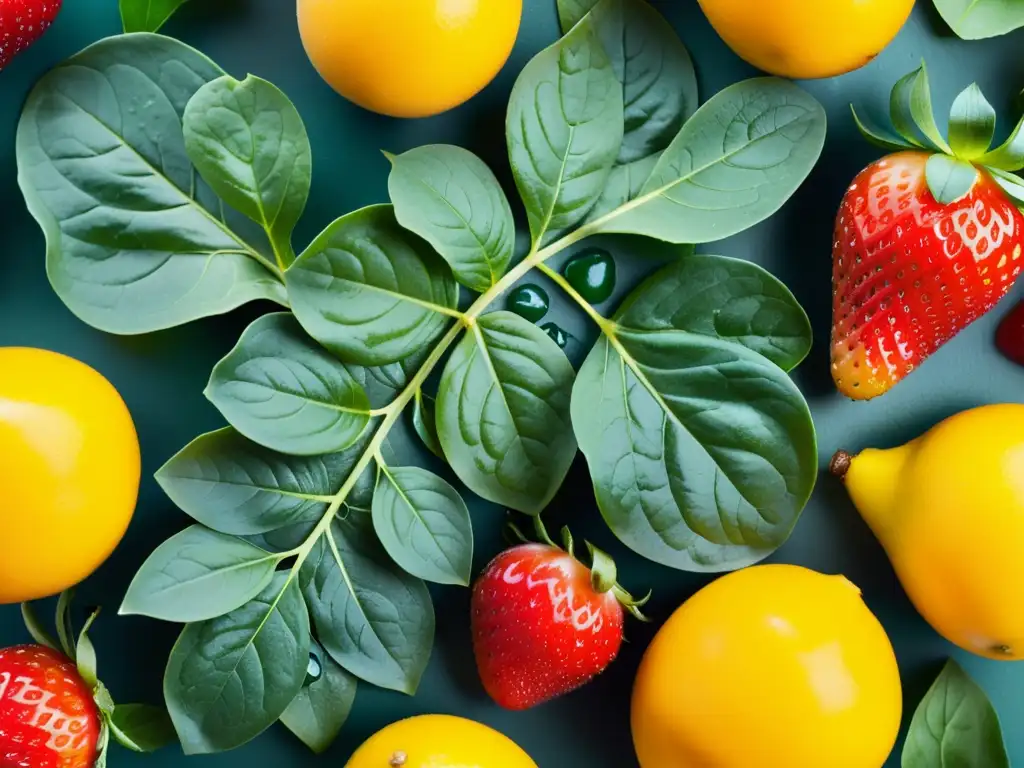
(372, 617)
(281, 389)
(147, 15)
(977, 19)
(229, 679)
(503, 412)
(103, 167)
(141, 727)
(317, 714)
(197, 575)
(955, 725)
(423, 524)
(248, 142)
(370, 291)
(450, 198)
(733, 164)
(564, 128)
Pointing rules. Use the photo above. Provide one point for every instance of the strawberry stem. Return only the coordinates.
(567, 541)
(603, 573)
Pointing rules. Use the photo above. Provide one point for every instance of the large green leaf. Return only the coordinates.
(733, 164)
(103, 167)
(147, 15)
(248, 142)
(229, 679)
(955, 725)
(450, 198)
(322, 707)
(141, 727)
(370, 291)
(503, 412)
(283, 390)
(571, 12)
(371, 616)
(564, 129)
(977, 19)
(197, 575)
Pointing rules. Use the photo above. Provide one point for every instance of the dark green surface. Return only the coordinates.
(162, 376)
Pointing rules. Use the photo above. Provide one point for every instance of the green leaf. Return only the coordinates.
(910, 108)
(65, 628)
(881, 139)
(383, 383)
(955, 725)
(949, 179)
(35, 627)
(85, 655)
(1010, 183)
(103, 167)
(229, 679)
(235, 486)
(141, 727)
(425, 423)
(972, 124)
(198, 575)
(370, 291)
(564, 128)
(570, 12)
(317, 714)
(503, 412)
(733, 164)
(147, 15)
(281, 389)
(450, 198)
(977, 19)
(248, 142)
(372, 617)
(423, 524)
(1009, 156)
(728, 299)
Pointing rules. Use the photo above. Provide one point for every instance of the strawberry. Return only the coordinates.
(544, 624)
(927, 240)
(22, 22)
(1010, 335)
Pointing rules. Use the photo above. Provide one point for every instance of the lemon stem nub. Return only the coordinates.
(840, 464)
(398, 759)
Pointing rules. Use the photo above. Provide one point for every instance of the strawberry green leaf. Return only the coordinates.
(35, 626)
(1010, 183)
(141, 727)
(972, 124)
(977, 19)
(949, 179)
(1009, 156)
(85, 654)
(878, 138)
(65, 630)
(910, 107)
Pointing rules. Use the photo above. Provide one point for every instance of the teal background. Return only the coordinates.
(161, 376)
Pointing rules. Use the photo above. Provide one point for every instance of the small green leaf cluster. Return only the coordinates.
(307, 541)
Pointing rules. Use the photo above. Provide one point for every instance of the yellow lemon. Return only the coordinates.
(807, 38)
(409, 58)
(69, 472)
(949, 509)
(439, 741)
(775, 666)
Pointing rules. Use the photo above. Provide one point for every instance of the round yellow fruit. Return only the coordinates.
(807, 38)
(69, 472)
(775, 666)
(949, 509)
(439, 741)
(409, 58)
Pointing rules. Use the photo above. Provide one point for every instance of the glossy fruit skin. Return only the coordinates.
(808, 38)
(540, 630)
(47, 716)
(439, 741)
(22, 22)
(592, 274)
(409, 58)
(949, 510)
(529, 301)
(1010, 335)
(774, 666)
(69, 472)
(910, 273)
(557, 333)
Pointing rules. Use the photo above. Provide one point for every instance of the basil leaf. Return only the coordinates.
(103, 167)
(503, 412)
(733, 164)
(423, 524)
(197, 575)
(564, 128)
(450, 198)
(281, 389)
(317, 714)
(977, 19)
(881, 139)
(141, 727)
(910, 108)
(949, 179)
(972, 123)
(229, 679)
(372, 617)
(248, 142)
(370, 291)
(425, 423)
(955, 725)
(147, 15)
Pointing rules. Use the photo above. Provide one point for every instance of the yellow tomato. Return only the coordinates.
(807, 38)
(69, 472)
(774, 666)
(439, 741)
(409, 58)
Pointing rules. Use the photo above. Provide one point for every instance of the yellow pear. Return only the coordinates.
(948, 508)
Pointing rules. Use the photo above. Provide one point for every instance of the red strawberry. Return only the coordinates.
(543, 624)
(47, 715)
(1010, 335)
(22, 22)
